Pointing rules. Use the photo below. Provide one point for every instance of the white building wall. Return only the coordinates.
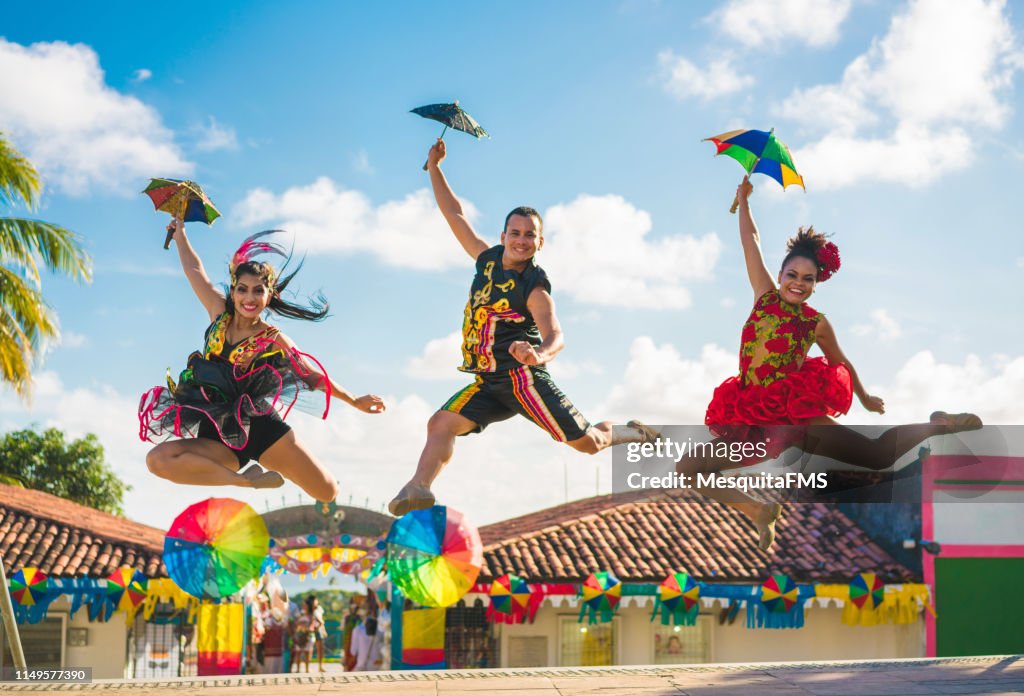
(107, 648)
(823, 637)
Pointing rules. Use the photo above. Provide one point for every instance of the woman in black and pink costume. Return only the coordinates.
(230, 403)
(779, 387)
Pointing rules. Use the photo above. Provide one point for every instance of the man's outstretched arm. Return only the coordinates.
(449, 205)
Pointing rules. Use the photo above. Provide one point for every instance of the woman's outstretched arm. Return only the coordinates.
(208, 294)
(826, 339)
(757, 272)
(319, 379)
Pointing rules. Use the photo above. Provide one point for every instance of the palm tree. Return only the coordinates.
(26, 321)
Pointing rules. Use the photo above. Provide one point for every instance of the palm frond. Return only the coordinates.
(15, 358)
(24, 304)
(23, 240)
(19, 181)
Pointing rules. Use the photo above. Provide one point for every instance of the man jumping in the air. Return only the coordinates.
(509, 333)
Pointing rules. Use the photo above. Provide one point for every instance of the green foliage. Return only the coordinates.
(72, 470)
(25, 318)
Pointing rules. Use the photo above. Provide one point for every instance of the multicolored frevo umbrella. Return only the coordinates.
(127, 588)
(779, 593)
(215, 547)
(867, 591)
(678, 600)
(601, 594)
(184, 199)
(29, 586)
(758, 152)
(434, 555)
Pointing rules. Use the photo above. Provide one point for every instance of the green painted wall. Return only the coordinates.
(979, 608)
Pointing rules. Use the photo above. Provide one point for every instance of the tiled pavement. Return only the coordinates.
(967, 675)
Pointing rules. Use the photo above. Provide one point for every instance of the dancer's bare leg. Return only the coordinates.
(847, 445)
(202, 462)
(602, 435)
(291, 459)
(442, 429)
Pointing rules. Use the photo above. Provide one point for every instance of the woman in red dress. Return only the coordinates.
(778, 385)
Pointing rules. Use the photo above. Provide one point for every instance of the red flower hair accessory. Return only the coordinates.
(828, 261)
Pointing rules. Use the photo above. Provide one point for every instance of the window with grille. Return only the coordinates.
(163, 647)
(678, 645)
(586, 645)
(470, 640)
(42, 643)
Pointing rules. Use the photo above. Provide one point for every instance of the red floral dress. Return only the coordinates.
(777, 383)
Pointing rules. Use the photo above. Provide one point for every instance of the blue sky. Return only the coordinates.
(903, 117)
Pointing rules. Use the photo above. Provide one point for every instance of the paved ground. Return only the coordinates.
(968, 675)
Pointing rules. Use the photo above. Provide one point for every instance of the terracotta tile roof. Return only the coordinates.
(65, 539)
(642, 540)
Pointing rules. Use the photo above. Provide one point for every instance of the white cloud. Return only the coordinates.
(659, 386)
(439, 359)
(361, 162)
(683, 79)
(758, 22)
(215, 136)
(78, 131)
(142, 74)
(943, 68)
(567, 368)
(597, 251)
(71, 339)
(325, 217)
(990, 387)
(882, 326)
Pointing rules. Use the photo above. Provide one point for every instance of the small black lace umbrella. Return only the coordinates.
(452, 116)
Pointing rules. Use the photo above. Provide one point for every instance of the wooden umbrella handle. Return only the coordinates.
(735, 204)
(170, 232)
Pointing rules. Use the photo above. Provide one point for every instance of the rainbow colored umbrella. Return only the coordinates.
(601, 594)
(184, 199)
(779, 593)
(215, 547)
(867, 591)
(758, 152)
(29, 586)
(127, 588)
(434, 555)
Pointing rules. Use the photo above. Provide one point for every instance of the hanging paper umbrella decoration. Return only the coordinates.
(867, 591)
(779, 593)
(758, 152)
(215, 547)
(434, 555)
(601, 594)
(452, 116)
(184, 199)
(126, 589)
(29, 586)
(510, 600)
(678, 600)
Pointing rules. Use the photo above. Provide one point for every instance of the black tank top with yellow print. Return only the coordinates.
(496, 315)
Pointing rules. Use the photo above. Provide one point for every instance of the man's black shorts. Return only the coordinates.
(528, 391)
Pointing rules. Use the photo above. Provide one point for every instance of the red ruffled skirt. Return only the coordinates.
(741, 412)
